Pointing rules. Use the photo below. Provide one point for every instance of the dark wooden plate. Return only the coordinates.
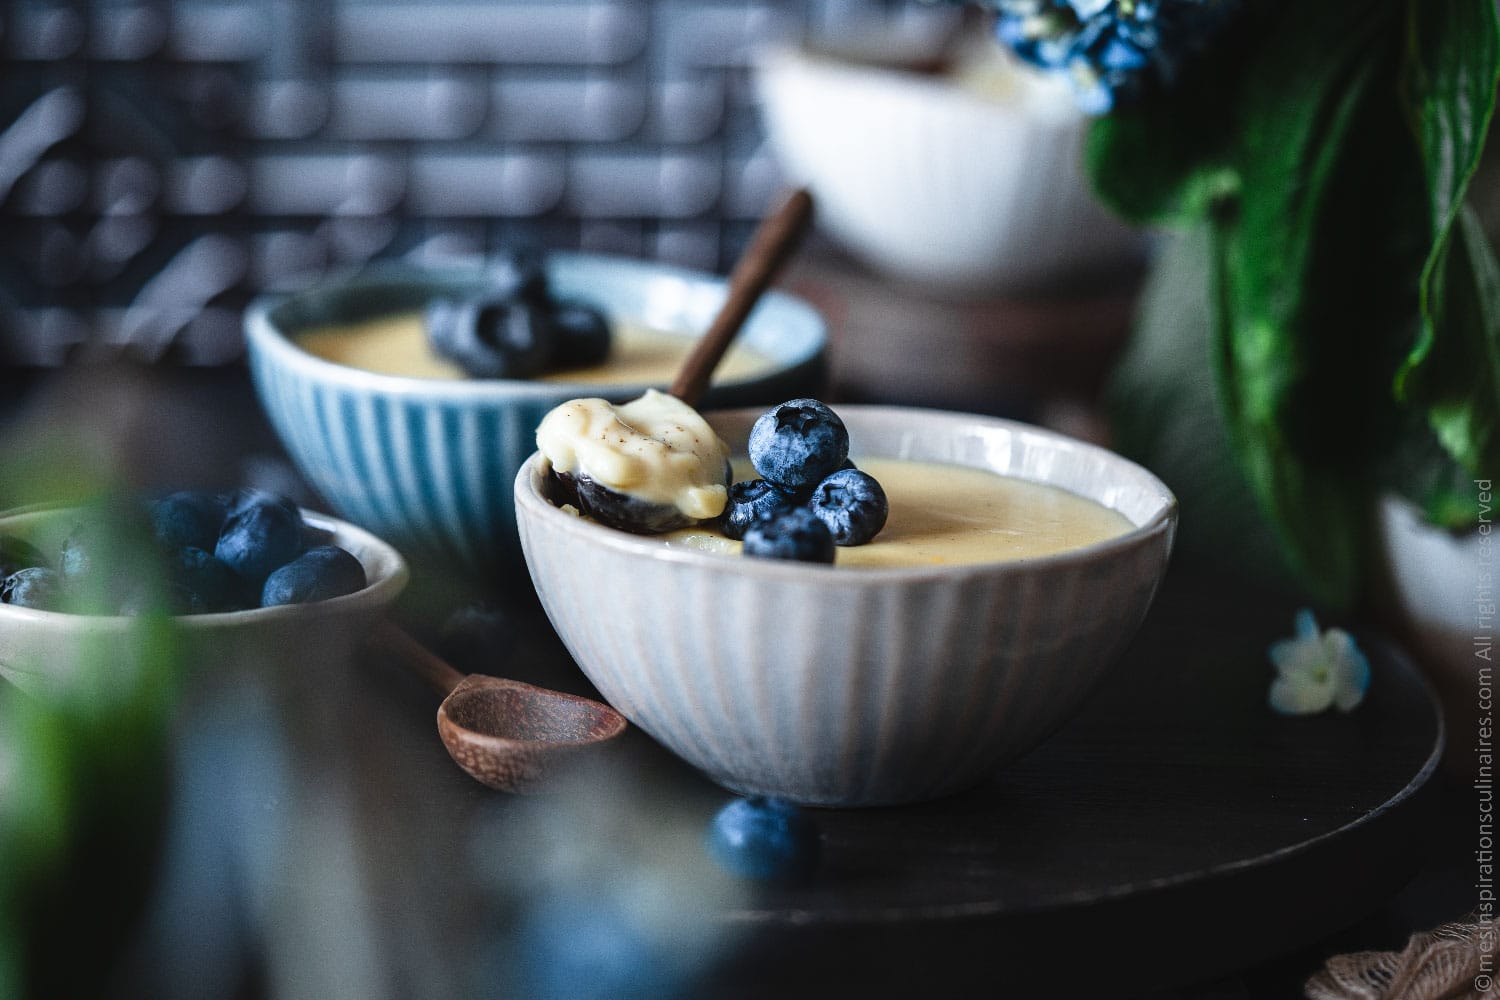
(1176, 830)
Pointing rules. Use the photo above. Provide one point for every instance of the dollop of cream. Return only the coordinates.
(656, 448)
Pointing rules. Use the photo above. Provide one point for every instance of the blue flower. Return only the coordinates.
(1317, 669)
(1114, 52)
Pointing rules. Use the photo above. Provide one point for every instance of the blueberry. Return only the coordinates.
(17, 553)
(766, 839)
(749, 501)
(187, 519)
(852, 504)
(241, 500)
(580, 335)
(148, 597)
(260, 538)
(792, 533)
(521, 274)
(204, 583)
(796, 444)
(477, 636)
(33, 587)
(491, 334)
(104, 557)
(317, 575)
(621, 510)
(86, 550)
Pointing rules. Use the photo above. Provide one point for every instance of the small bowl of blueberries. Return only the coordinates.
(862, 605)
(409, 396)
(245, 576)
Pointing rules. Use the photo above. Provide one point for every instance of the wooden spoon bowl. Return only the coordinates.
(510, 735)
(505, 733)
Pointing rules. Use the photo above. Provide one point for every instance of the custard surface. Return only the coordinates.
(397, 345)
(950, 514)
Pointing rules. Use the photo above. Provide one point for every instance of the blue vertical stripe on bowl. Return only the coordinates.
(430, 464)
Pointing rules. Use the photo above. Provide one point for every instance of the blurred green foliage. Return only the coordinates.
(1348, 310)
(83, 754)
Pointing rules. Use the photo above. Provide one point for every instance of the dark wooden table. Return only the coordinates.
(1176, 833)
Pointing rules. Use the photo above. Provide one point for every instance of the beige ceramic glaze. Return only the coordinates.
(838, 687)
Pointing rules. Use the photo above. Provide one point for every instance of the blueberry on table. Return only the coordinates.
(188, 519)
(491, 334)
(794, 445)
(767, 839)
(794, 533)
(317, 575)
(477, 636)
(260, 538)
(33, 587)
(748, 502)
(852, 504)
(580, 335)
(17, 553)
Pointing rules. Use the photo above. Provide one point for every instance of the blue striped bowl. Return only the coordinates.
(845, 687)
(430, 463)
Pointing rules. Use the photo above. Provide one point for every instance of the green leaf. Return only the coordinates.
(1168, 160)
(1165, 413)
(1164, 164)
(82, 797)
(1465, 414)
(1449, 77)
(1333, 238)
(1299, 276)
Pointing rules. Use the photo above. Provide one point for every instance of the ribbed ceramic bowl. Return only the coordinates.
(41, 649)
(847, 687)
(935, 182)
(430, 463)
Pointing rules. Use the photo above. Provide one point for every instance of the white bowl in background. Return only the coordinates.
(971, 185)
(839, 686)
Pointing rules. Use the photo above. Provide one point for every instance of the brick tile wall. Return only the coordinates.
(161, 161)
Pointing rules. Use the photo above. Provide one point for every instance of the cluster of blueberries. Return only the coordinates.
(1113, 51)
(217, 552)
(810, 497)
(766, 839)
(514, 327)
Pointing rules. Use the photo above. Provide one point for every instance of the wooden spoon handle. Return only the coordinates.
(392, 639)
(770, 247)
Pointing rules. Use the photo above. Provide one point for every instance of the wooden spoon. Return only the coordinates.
(772, 244)
(507, 734)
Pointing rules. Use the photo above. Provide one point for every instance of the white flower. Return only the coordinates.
(1317, 669)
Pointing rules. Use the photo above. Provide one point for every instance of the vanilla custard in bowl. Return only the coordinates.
(943, 514)
(639, 354)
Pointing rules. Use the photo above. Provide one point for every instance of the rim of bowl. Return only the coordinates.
(1041, 103)
(529, 499)
(376, 594)
(264, 335)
